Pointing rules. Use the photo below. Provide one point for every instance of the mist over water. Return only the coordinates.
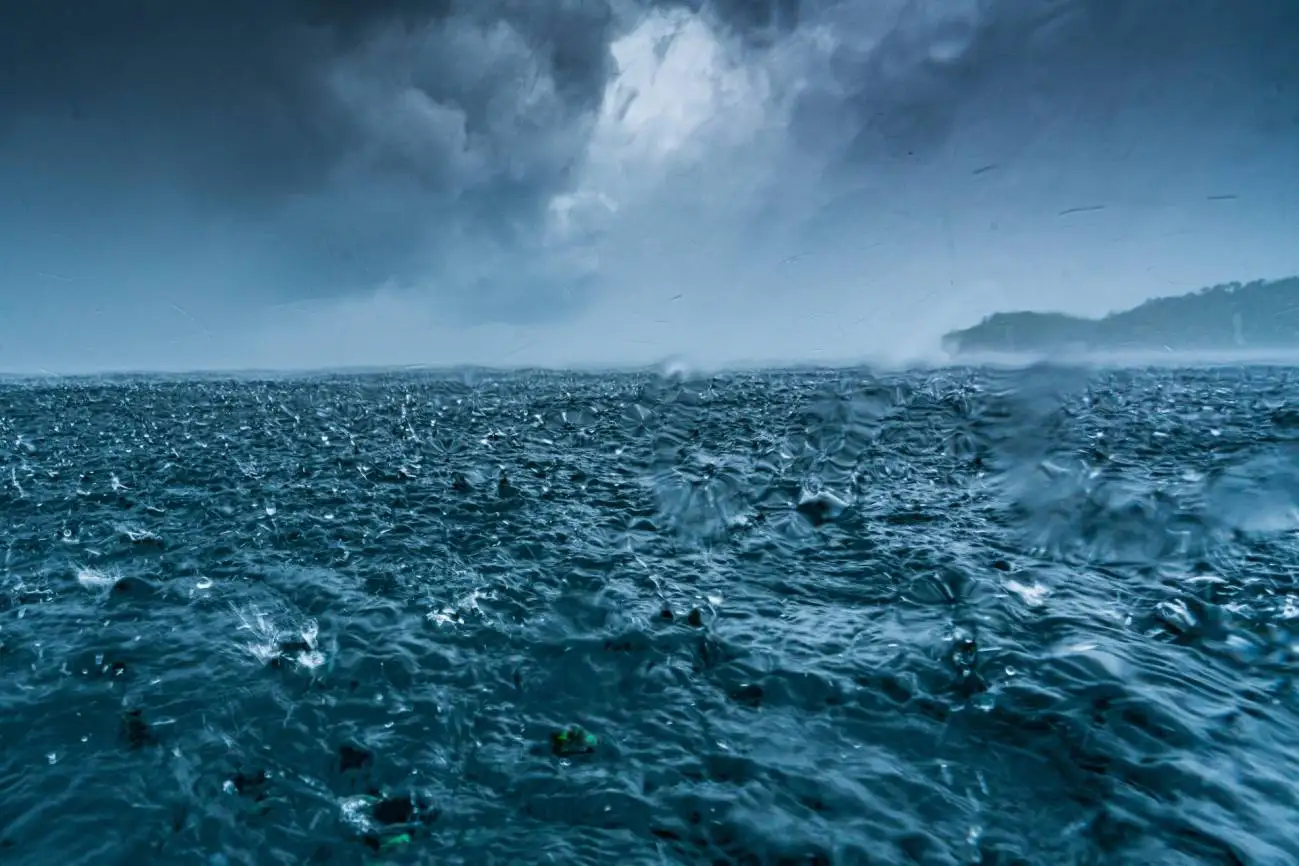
(963, 616)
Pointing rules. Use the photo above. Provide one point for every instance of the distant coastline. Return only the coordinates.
(1235, 318)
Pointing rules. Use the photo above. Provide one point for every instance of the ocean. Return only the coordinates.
(955, 616)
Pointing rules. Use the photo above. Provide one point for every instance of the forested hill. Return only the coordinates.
(1259, 315)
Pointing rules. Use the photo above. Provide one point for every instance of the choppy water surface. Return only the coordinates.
(820, 617)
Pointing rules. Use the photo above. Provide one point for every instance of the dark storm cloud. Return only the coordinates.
(237, 91)
(469, 112)
(898, 91)
(225, 94)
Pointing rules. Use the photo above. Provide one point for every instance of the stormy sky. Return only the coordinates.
(305, 183)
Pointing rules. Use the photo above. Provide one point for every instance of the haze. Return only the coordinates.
(320, 183)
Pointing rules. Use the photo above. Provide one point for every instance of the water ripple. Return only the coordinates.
(962, 616)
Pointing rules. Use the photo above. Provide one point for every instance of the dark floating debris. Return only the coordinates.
(135, 731)
(134, 587)
(251, 785)
(395, 810)
(574, 740)
(748, 694)
(404, 811)
(353, 759)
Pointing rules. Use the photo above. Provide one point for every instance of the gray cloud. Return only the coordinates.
(493, 160)
(355, 134)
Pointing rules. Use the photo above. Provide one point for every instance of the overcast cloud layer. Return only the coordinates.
(327, 183)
